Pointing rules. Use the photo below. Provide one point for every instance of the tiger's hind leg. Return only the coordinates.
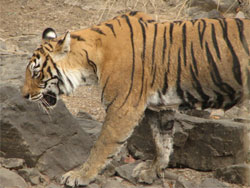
(162, 127)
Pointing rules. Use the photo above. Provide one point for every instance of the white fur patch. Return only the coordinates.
(51, 34)
(71, 80)
(169, 100)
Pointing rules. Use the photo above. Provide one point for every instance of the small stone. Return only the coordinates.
(240, 14)
(211, 14)
(11, 179)
(52, 185)
(125, 171)
(211, 182)
(93, 185)
(13, 163)
(32, 175)
(238, 174)
(113, 184)
(3, 45)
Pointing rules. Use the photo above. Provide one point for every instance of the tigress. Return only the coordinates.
(139, 63)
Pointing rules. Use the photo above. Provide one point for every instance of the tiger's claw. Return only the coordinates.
(75, 178)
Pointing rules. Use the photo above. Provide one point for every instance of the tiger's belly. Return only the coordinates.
(158, 101)
(171, 100)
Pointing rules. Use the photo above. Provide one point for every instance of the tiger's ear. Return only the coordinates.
(63, 45)
(62, 48)
(49, 34)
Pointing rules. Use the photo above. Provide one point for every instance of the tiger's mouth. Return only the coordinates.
(49, 99)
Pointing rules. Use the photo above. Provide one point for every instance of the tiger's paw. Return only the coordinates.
(76, 178)
(145, 172)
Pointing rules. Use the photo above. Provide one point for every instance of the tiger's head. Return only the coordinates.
(52, 70)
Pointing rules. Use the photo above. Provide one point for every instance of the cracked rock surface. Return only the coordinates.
(43, 141)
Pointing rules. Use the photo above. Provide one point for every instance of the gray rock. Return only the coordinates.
(138, 146)
(116, 184)
(211, 14)
(32, 175)
(201, 144)
(11, 179)
(207, 5)
(52, 143)
(3, 45)
(183, 183)
(12, 69)
(125, 171)
(238, 174)
(53, 185)
(12, 163)
(84, 115)
(89, 125)
(93, 185)
(210, 144)
(211, 182)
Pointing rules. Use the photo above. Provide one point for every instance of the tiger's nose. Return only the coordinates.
(26, 96)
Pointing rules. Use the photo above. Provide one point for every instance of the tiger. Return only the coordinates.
(138, 64)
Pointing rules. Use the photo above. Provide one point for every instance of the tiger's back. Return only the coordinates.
(206, 63)
(188, 64)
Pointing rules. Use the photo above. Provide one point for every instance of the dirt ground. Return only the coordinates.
(24, 18)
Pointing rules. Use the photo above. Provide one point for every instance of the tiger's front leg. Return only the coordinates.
(117, 128)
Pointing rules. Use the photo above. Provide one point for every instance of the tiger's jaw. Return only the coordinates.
(49, 100)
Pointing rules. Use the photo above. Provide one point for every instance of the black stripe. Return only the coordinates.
(103, 89)
(179, 22)
(60, 42)
(45, 62)
(90, 62)
(49, 45)
(165, 84)
(215, 75)
(213, 34)
(169, 55)
(219, 100)
(57, 70)
(110, 104)
(50, 50)
(154, 75)
(201, 33)
(142, 57)
(133, 58)
(41, 50)
(231, 104)
(98, 30)
(193, 21)
(118, 21)
(197, 85)
(164, 45)
(133, 13)
(38, 56)
(184, 42)
(150, 21)
(110, 26)
(194, 60)
(178, 81)
(77, 37)
(171, 33)
(153, 51)
(243, 40)
(191, 99)
(49, 71)
(236, 64)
